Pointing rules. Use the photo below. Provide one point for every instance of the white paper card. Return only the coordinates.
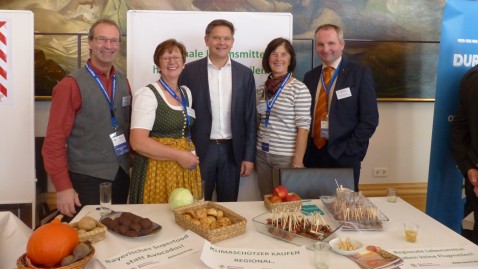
(220, 257)
(157, 254)
(191, 112)
(343, 93)
(449, 257)
(261, 107)
(126, 101)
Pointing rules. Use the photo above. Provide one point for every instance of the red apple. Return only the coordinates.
(280, 191)
(275, 199)
(292, 197)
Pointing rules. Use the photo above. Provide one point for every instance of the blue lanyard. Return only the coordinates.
(182, 101)
(332, 80)
(103, 90)
(270, 103)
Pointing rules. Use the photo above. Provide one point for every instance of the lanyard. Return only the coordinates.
(332, 80)
(183, 103)
(114, 123)
(270, 103)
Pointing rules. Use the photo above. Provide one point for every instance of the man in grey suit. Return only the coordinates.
(224, 133)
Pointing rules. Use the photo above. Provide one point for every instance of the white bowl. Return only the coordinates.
(335, 245)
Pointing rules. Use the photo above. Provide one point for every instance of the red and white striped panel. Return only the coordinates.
(3, 61)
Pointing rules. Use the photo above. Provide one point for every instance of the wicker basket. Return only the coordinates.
(95, 235)
(237, 227)
(24, 263)
(292, 205)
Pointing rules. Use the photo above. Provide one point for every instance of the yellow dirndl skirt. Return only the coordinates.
(162, 177)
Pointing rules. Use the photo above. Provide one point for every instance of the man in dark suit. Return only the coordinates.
(464, 143)
(224, 133)
(344, 106)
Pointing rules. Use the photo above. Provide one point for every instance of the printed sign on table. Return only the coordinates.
(154, 255)
(240, 258)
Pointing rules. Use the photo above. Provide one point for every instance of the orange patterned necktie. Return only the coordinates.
(321, 108)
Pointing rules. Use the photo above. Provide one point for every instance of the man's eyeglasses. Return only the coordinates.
(103, 40)
(167, 59)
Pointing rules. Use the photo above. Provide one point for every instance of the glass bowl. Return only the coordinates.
(359, 213)
(298, 236)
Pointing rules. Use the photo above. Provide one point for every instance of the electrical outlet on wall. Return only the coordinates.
(380, 172)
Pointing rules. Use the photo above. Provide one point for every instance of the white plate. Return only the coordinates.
(335, 243)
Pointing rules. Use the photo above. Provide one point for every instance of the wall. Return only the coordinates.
(401, 143)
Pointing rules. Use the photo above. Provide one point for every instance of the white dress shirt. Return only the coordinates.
(220, 92)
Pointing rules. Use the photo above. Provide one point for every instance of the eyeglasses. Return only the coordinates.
(167, 59)
(103, 40)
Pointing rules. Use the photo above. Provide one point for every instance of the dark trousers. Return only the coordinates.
(219, 170)
(320, 158)
(88, 188)
(471, 205)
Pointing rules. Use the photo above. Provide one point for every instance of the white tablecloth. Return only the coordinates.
(14, 236)
(431, 234)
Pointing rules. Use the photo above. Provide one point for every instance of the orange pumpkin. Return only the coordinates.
(51, 242)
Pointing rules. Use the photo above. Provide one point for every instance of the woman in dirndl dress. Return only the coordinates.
(161, 121)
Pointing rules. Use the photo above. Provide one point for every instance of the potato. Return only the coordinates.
(87, 223)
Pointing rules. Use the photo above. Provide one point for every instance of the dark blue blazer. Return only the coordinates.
(352, 120)
(243, 111)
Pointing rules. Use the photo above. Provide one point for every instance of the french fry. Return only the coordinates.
(346, 245)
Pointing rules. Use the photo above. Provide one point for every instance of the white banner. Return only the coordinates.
(148, 28)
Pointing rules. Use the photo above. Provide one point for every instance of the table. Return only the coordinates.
(14, 236)
(431, 234)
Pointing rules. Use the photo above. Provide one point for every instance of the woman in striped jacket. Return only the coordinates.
(283, 107)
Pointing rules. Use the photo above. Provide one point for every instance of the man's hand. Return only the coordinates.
(246, 168)
(66, 201)
(473, 178)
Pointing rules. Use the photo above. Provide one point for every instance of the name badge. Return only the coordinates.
(191, 112)
(265, 141)
(119, 143)
(265, 147)
(126, 101)
(343, 93)
(324, 128)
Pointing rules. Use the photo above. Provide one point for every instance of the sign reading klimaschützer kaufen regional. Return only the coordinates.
(221, 257)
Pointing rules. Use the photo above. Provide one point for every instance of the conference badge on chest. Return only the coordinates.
(324, 127)
(119, 143)
(265, 142)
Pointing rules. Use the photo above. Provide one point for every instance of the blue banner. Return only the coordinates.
(458, 53)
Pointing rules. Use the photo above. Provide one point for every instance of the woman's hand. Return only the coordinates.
(297, 162)
(187, 159)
